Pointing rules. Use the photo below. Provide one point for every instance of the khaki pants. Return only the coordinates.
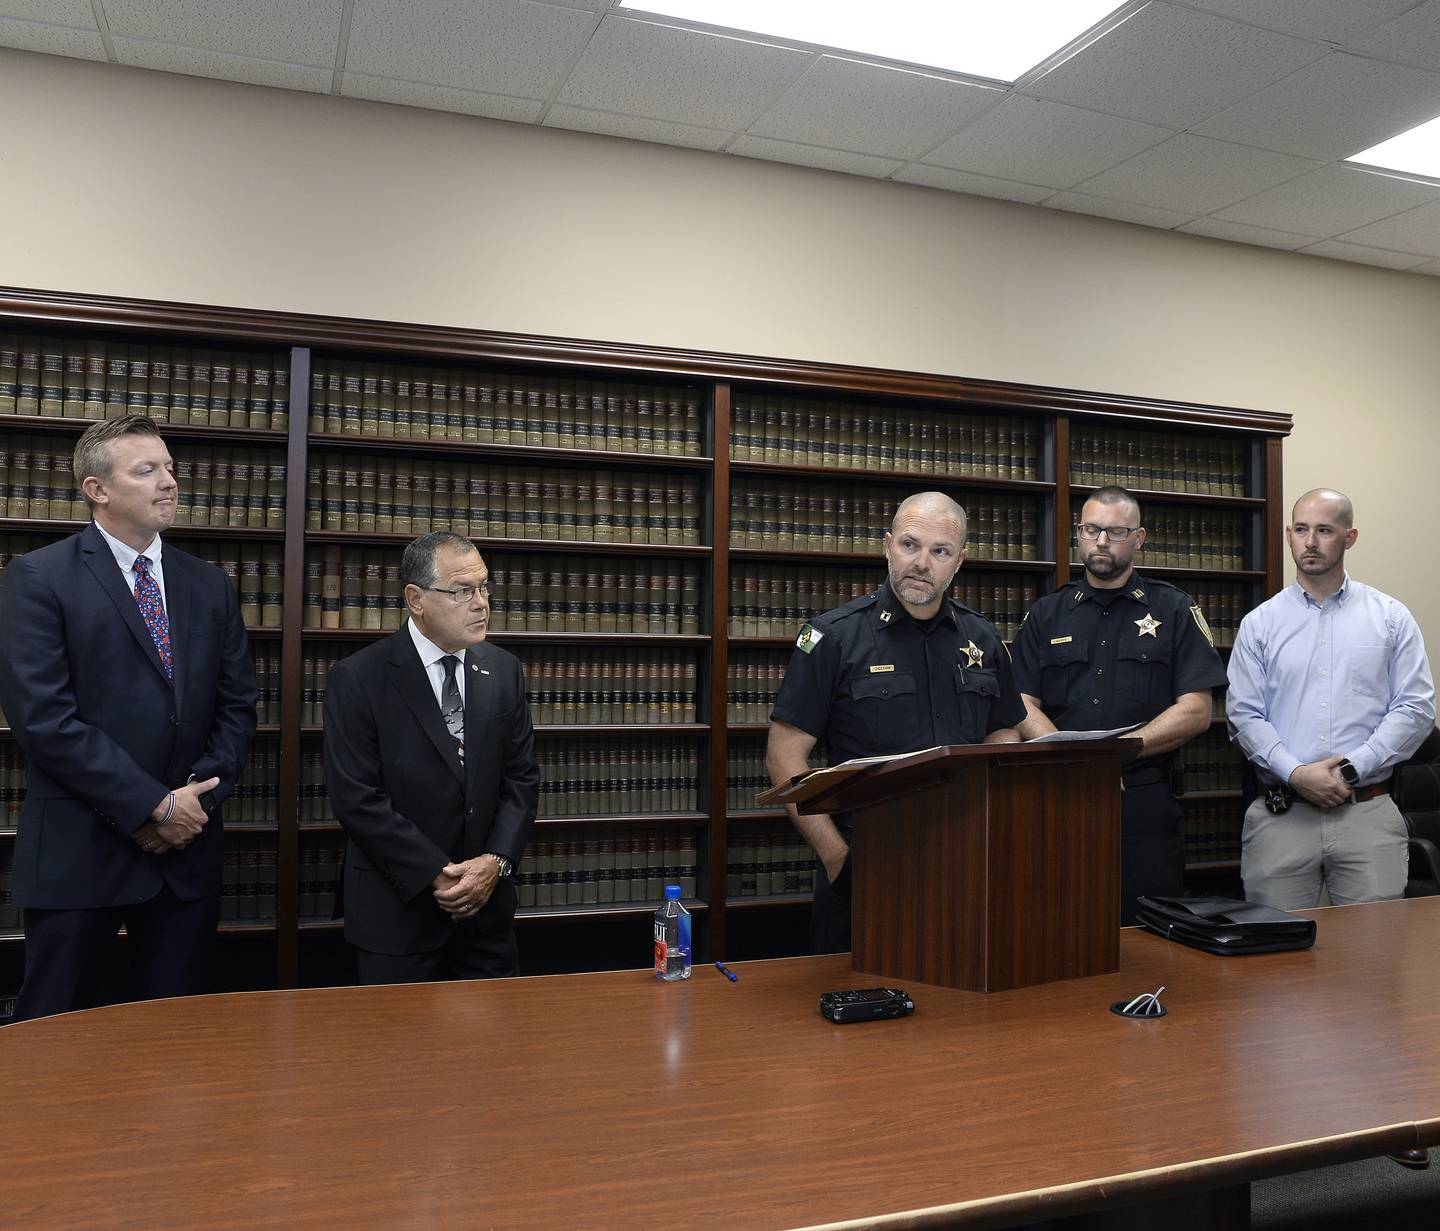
(1359, 852)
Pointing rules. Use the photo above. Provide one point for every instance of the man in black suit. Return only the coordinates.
(125, 673)
(430, 765)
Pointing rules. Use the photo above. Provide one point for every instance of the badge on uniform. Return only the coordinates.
(974, 655)
(1148, 625)
(1202, 625)
(881, 668)
(809, 638)
(1061, 640)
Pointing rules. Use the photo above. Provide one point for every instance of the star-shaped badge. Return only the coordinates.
(974, 654)
(1148, 625)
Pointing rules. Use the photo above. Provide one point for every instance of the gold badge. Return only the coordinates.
(881, 668)
(974, 655)
(1202, 625)
(1061, 640)
(1148, 625)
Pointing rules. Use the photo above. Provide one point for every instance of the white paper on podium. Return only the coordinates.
(1065, 737)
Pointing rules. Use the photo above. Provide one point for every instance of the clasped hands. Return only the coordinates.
(185, 824)
(1320, 783)
(462, 889)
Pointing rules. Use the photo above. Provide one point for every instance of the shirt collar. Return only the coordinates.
(1306, 599)
(429, 652)
(1135, 587)
(125, 554)
(889, 610)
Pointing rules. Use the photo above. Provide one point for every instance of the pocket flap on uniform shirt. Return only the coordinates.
(971, 680)
(1144, 652)
(1067, 652)
(890, 684)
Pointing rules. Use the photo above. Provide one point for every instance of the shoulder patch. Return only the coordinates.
(809, 638)
(1202, 625)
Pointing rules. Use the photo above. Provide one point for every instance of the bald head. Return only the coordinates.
(930, 506)
(1336, 507)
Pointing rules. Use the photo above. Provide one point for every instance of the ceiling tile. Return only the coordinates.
(1041, 142)
(972, 184)
(635, 127)
(53, 40)
(270, 29)
(1121, 211)
(1173, 67)
(684, 76)
(441, 98)
(196, 63)
(1416, 230)
(53, 12)
(1193, 175)
(872, 109)
(813, 156)
(1331, 21)
(1238, 233)
(510, 47)
(1331, 109)
(1432, 268)
(1411, 39)
(1333, 199)
(1366, 256)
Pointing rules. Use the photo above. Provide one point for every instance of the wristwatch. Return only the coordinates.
(1349, 773)
(505, 866)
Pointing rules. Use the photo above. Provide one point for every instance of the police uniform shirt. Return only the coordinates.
(1105, 658)
(870, 680)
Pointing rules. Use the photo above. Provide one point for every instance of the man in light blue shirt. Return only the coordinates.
(1330, 689)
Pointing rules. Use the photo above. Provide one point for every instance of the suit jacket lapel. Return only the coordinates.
(177, 612)
(413, 685)
(479, 704)
(100, 560)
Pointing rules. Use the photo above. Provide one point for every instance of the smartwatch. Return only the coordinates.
(1349, 773)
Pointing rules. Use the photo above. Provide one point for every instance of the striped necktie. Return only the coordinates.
(152, 611)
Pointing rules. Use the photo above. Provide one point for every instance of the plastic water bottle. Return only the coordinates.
(672, 938)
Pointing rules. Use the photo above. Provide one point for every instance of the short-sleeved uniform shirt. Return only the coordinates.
(1100, 659)
(869, 680)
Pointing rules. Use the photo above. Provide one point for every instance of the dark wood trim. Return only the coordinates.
(220, 435)
(897, 478)
(352, 334)
(468, 448)
(1061, 512)
(676, 820)
(65, 525)
(876, 558)
(719, 665)
(1147, 495)
(1276, 516)
(509, 637)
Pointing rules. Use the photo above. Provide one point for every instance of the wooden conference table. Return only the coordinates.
(609, 1100)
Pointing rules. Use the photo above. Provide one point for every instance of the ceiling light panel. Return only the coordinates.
(979, 38)
(1416, 152)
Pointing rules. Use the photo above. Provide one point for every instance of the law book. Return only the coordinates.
(385, 403)
(10, 372)
(262, 376)
(334, 399)
(40, 479)
(52, 377)
(453, 405)
(27, 393)
(197, 387)
(73, 405)
(222, 374)
(419, 404)
(404, 404)
(350, 377)
(239, 414)
(319, 398)
(370, 400)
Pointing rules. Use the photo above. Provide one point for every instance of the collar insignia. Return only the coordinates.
(884, 617)
(1148, 625)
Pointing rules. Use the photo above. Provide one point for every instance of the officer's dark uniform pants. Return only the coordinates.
(830, 914)
(1152, 846)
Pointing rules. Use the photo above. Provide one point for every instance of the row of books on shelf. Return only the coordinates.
(351, 588)
(600, 868)
(775, 600)
(588, 777)
(1212, 833)
(9, 912)
(768, 861)
(745, 775)
(249, 878)
(358, 398)
(776, 516)
(1177, 537)
(362, 495)
(1212, 763)
(1163, 461)
(801, 432)
(88, 378)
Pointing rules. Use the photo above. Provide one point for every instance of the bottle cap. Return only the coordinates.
(672, 893)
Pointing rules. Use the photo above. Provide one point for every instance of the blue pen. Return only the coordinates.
(726, 971)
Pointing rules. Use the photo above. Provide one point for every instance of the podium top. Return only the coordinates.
(868, 779)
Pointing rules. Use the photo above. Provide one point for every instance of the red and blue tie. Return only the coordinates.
(152, 610)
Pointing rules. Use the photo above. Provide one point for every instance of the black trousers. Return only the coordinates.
(1152, 846)
(830, 912)
(67, 952)
(474, 950)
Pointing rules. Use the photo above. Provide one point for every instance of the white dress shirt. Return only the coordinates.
(430, 656)
(125, 558)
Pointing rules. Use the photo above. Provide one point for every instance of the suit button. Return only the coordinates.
(469, 811)
(174, 720)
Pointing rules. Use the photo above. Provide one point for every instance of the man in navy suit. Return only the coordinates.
(430, 765)
(125, 673)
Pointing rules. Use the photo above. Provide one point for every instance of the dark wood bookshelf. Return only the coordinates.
(717, 380)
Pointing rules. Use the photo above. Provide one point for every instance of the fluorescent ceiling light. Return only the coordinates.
(1416, 152)
(998, 39)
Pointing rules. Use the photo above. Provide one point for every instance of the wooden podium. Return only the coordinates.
(984, 867)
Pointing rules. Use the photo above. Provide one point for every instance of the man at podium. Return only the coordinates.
(899, 670)
(1114, 649)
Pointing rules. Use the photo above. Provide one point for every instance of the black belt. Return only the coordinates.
(1149, 776)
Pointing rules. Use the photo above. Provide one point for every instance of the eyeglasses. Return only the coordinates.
(1114, 534)
(462, 594)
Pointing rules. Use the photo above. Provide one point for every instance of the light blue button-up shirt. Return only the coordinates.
(1347, 677)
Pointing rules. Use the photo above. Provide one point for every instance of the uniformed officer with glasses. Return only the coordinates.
(1112, 649)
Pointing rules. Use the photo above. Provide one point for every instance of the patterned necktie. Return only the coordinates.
(152, 610)
(452, 708)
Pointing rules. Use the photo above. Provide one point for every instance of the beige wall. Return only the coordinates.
(126, 182)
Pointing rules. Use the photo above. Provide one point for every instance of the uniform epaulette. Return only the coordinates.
(855, 604)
